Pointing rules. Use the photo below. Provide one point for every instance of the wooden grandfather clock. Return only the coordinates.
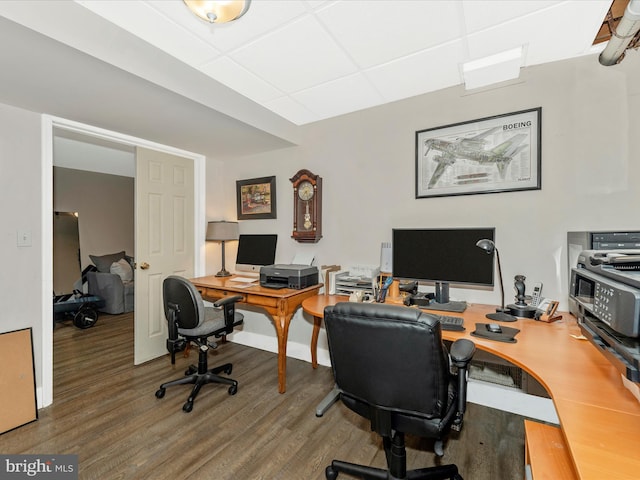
(307, 207)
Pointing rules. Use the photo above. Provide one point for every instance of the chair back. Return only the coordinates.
(390, 358)
(182, 293)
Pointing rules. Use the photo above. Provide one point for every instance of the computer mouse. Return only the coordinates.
(494, 328)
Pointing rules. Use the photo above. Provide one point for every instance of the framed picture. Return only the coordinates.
(256, 198)
(488, 155)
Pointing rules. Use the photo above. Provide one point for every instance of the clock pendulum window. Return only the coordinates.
(307, 207)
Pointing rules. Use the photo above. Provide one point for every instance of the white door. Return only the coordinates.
(164, 241)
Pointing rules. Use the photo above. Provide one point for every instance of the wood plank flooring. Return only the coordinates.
(105, 411)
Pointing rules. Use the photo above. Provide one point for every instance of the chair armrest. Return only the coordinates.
(226, 300)
(462, 351)
(231, 318)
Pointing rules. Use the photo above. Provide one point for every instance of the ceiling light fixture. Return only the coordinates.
(218, 11)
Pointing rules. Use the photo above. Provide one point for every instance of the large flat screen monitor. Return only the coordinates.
(443, 256)
(255, 251)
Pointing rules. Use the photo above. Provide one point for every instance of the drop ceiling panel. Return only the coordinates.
(487, 13)
(244, 82)
(539, 33)
(386, 31)
(288, 108)
(429, 70)
(294, 65)
(329, 99)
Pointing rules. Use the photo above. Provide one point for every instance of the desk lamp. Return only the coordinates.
(221, 231)
(501, 314)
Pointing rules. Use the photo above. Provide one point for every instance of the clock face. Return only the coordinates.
(305, 190)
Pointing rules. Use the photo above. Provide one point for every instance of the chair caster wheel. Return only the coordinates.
(191, 370)
(233, 389)
(187, 407)
(330, 473)
(160, 392)
(228, 370)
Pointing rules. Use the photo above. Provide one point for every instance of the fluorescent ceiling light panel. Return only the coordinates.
(492, 69)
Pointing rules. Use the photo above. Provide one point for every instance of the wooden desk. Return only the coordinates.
(279, 304)
(599, 418)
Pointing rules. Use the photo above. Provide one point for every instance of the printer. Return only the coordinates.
(288, 276)
(605, 286)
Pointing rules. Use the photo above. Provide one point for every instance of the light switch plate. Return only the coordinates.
(24, 238)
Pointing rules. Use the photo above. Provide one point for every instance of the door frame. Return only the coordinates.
(48, 123)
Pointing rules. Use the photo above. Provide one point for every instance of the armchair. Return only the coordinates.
(113, 281)
(190, 321)
(391, 367)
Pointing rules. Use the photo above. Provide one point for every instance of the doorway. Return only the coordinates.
(51, 124)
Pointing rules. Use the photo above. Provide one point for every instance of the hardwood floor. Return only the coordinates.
(105, 411)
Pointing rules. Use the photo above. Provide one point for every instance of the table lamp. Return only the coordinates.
(501, 314)
(221, 231)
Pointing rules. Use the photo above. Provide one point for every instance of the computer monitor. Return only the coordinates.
(255, 251)
(443, 256)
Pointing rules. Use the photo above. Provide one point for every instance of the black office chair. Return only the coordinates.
(391, 367)
(190, 321)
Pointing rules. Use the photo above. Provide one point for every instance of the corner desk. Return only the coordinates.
(599, 417)
(279, 304)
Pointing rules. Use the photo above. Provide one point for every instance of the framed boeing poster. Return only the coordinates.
(487, 155)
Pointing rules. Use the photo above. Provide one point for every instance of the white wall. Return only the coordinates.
(20, 197)
(590, 167)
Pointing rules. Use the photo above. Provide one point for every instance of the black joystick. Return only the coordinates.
(520, 308)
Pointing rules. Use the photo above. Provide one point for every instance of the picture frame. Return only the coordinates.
(256, 198)
(494, 154)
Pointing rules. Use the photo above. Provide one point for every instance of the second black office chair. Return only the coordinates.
(391, 367)
(190, 321)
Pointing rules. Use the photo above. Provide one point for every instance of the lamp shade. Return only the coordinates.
(486, 245)
(222, 231)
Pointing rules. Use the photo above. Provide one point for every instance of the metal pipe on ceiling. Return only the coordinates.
(627, 28)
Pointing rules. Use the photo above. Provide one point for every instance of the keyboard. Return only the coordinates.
(454, 324)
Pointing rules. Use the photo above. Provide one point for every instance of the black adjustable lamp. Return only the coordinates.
(222, 231)
(501, 314)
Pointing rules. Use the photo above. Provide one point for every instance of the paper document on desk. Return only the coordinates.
(303, 258)
(245, 279)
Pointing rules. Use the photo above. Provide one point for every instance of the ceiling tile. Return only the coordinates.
(242, 81)
(555, 33)
(296, 57)
(291, 110)
(485, 14)
(347, 94)
(422, 72)
(377, 32)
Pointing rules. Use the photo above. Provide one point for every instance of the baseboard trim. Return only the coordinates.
(297, 350)
(481, 393)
